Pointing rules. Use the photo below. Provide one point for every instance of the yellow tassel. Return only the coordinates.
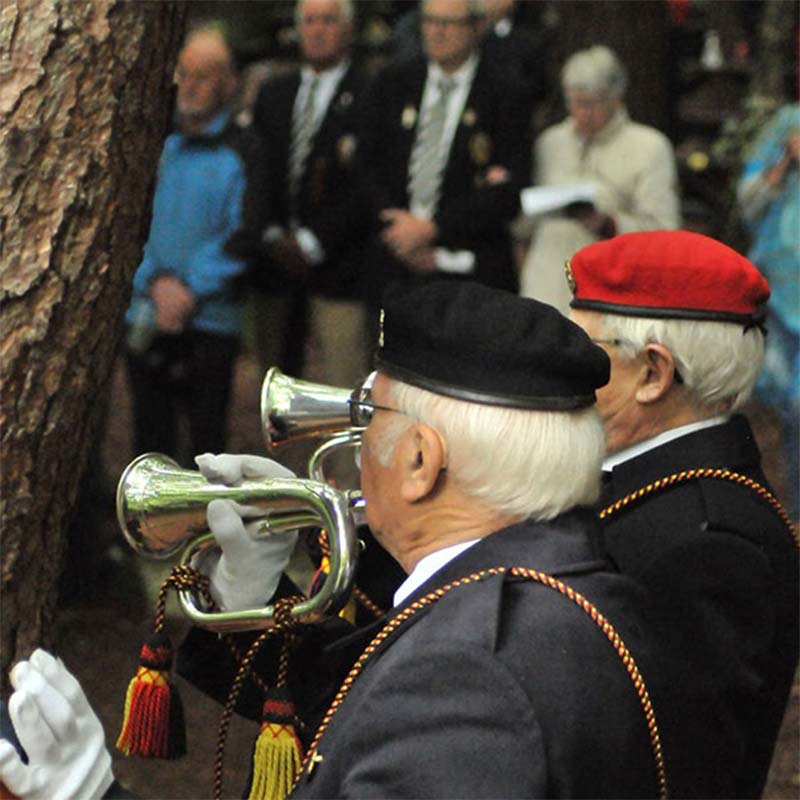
(278, 753)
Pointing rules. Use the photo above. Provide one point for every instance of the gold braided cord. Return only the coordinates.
(284, 623)
(695, 474)
(529, 574)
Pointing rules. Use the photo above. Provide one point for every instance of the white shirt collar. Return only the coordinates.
(637, 449)
(462, 76)
(428, 566)
(331, 75)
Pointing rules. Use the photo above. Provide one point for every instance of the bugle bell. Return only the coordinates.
(294, 410)
(161, 508)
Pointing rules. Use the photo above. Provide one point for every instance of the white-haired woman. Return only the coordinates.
(631, 166)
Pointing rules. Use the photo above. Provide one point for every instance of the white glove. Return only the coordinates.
(64, 740)
(247, 572)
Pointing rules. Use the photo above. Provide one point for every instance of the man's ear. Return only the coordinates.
(423, 458)
(659, 376)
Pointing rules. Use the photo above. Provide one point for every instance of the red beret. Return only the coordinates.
(675, 274)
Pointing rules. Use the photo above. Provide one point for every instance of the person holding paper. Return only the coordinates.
(613, 175)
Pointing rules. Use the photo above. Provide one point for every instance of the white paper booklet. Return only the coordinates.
(541, 199)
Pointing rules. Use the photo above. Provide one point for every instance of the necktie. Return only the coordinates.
(427, 158)
(303, 129)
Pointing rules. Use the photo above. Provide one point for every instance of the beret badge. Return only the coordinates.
(570, 277)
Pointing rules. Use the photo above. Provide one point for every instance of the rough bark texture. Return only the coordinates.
(84, 105)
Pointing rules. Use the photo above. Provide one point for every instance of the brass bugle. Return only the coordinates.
(294, 410)
(161, 508)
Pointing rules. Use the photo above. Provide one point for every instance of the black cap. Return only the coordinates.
(484, 345)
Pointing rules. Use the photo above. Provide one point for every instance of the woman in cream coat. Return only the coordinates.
(631, 166)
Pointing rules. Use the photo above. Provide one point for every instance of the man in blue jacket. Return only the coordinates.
(185, 318)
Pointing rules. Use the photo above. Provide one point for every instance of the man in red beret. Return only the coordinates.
(686, 506)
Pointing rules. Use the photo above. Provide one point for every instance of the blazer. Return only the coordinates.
(722, 570)
(471, 214)
(503, 688)
(327, 201)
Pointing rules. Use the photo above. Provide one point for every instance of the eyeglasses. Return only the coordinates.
(362, 410)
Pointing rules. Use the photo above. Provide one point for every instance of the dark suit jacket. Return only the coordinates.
(503, 688)
(722, 569)
(326, 200)
(471, 215)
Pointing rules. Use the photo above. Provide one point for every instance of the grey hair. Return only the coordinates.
(519, 462)
(718, 361)
(346, 9)
(476, 9)
(596, 70)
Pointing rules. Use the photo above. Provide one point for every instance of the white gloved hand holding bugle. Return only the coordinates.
(245, 574)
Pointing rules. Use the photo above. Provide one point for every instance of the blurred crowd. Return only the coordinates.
(291, 201)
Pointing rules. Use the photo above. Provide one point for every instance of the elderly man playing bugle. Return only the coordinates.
(508, 666)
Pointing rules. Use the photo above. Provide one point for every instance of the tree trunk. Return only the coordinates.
(84, 106)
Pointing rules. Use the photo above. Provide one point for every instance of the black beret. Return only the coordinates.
(469, 341)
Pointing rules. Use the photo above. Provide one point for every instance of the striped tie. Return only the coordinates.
(427, 156)
(303, 129)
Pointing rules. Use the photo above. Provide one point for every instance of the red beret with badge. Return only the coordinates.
(668, 274)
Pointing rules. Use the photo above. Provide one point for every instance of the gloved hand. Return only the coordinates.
(247, 571)
(64, 740)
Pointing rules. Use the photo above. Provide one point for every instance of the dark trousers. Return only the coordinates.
(182, 377)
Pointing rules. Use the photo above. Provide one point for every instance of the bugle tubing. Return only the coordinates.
(161, 508)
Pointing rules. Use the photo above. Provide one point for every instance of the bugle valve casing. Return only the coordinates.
(161, 508)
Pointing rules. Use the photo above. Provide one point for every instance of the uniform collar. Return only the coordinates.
(428, 566)
(639, 448)
(567, 545)
(729, 445)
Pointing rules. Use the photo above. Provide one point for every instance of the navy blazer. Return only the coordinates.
(503, 688)
(327, 200)
(471, 214)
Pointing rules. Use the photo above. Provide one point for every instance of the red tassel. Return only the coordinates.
(153, 726)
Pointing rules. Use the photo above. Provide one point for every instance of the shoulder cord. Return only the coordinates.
(695, 474)
(312, 757)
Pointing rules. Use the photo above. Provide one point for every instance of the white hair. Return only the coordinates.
(596, 70)
(346, 9)
(719, 362)
(520, 462)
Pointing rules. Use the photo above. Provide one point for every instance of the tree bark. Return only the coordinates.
(85, 92)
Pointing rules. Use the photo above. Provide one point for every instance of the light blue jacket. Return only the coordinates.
(197, 207)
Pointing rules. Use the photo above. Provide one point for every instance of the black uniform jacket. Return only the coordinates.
(327, 202)
(471, 214)
(503, 688)
(723, 570)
